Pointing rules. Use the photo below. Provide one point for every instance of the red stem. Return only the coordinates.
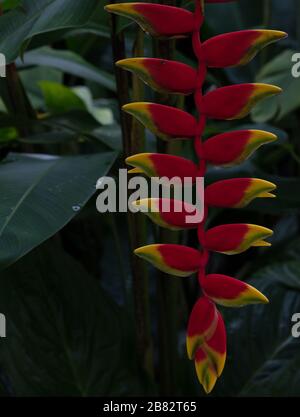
(202, 70)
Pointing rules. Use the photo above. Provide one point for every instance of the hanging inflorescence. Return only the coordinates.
(206, 336)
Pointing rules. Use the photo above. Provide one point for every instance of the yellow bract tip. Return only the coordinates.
(130, 63)
(262, 243)
(266, 195)
(146, 250)
(269, 88)
(135, 107)
(263, 135)
(279, 34)
(135, 171)
(120, 8)
(131, 160)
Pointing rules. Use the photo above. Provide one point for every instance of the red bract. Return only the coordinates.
(237, 48)
(161, 165)
(206, 336)
(178, 260)
(211, 356)
(156, 19)
(169, 213)
(230, 292)
(236, 101)
(202, 325)
(232, 239)
(156, 73)
(237, 192)
(164, 121)
(232, 148)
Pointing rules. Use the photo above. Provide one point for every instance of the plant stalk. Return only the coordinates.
(133, 142)
(167, 289)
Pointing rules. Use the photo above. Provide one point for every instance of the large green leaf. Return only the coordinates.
(64, 336)
(263, 357)
(68, 62)
(39, 195)
(278, 72)
(33, 17)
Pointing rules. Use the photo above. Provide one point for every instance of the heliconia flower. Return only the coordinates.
(210, 358)
(232, 239)
(206, 334)
(170, 213)
(164, 121)
(232, 148)
(235, 101)
(177, 260)
(237, 48)
(164, 166)
(156, 19)
(237, 192)
(156, 73)
(230, 292)
(202, 325)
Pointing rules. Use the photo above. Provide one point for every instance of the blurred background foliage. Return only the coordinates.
(66, 286)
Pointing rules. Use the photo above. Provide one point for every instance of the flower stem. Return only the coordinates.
(139, 234)
(167, 289)
(133, 142)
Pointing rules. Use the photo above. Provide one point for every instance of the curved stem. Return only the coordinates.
(201, 74)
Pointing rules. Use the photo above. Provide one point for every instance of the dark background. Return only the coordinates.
(66, 283)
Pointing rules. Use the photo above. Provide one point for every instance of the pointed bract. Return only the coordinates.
(202, 324)
(156, 73)
(156, 19)
(233, 148)
(232, 239)
(177, 260)
(163, 165)
(237, 192)
(164, 121)
(170, 213)
(230, 292)
(237, 48)
(211, 356)
(236, 101)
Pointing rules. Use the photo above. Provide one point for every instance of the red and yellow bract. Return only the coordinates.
(206, 336)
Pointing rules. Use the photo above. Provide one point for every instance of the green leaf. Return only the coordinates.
(263, 357)
(91, 28)
(9, 4)
(278, 72)
(34, 17)
(40, 195)
(7, 135)
(59, 98)
(68, 62)
(104, 115)
(51, 138)
(30, 78)
(64, 335)
(110, 135)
